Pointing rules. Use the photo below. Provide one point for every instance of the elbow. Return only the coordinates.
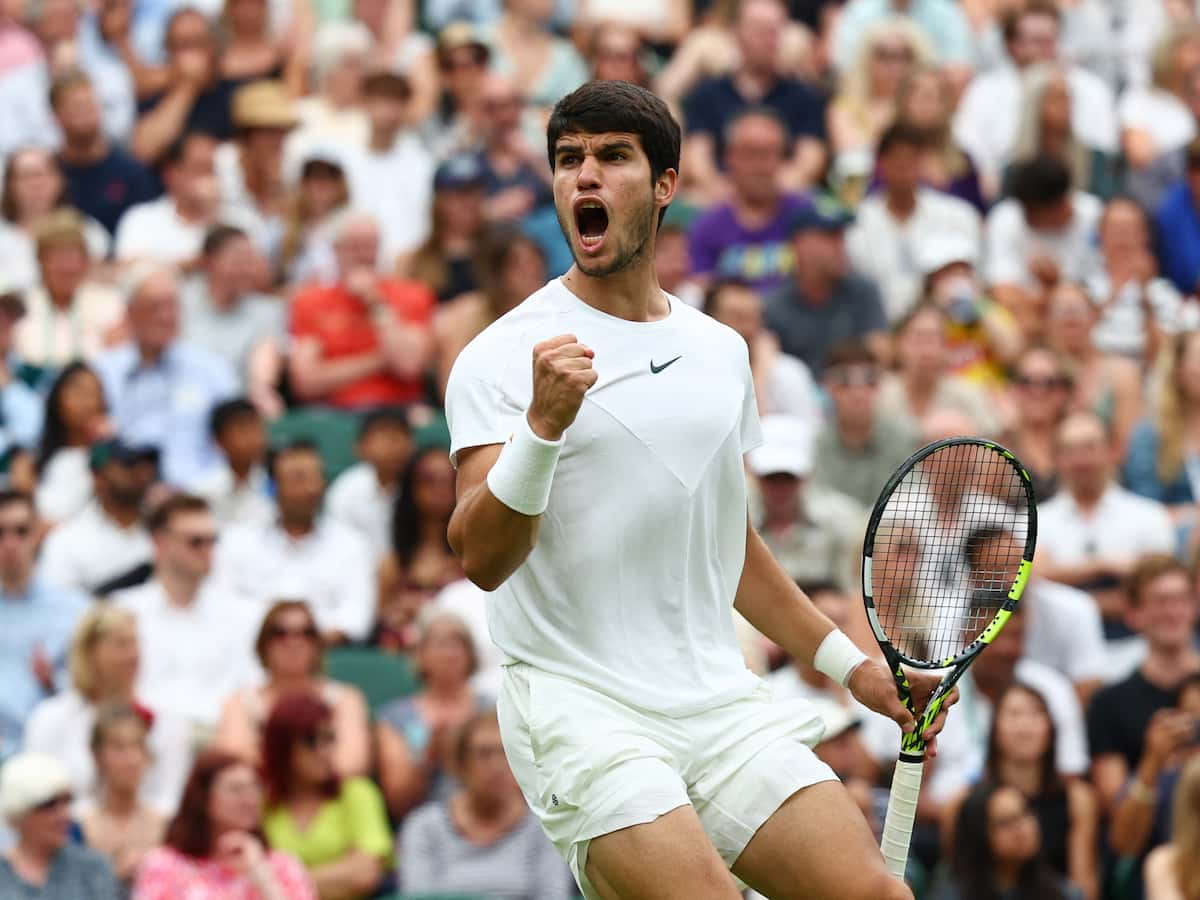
(483, 575)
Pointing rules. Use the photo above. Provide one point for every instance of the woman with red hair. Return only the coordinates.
(336, 826)
(215, 847)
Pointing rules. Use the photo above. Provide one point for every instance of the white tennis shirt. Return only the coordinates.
(630, 586)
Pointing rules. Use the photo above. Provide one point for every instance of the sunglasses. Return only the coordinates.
(53, 803)
(21, 531)
(318, 740)
(278, 631)
(1048, 383)
(461, 63)
(199, 541)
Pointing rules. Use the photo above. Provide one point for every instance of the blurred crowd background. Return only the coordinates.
(242, 243)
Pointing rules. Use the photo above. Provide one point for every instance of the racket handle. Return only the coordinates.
(902, 809)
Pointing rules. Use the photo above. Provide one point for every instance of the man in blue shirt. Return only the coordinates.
(161, 390)
(1177, 221)
(36, 621)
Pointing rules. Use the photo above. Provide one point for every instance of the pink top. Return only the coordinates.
(167, 874)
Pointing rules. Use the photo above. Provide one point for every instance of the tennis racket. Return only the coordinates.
(947, 553)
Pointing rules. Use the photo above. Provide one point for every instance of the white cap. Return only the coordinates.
(787, 447)
(28, 780)
(838, 719)
(940, 249)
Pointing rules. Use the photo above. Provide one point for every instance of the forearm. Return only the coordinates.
(354, 875)
(156, 131)
(491, 539)
(407, 348)
(1133, 818)
(315, 378)
(265, 882)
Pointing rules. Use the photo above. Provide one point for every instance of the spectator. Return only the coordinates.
(1150, 184)
(238, 489)
(444, 261)
(334, 113)
(21, 409)
(300, 553)
(1021, 755)
(483, 838)
(215, 845)
(746, 237)
(988, 116)
(1042, 386)
(859, 448)
(463, 56)
(998, 850)
(1177, 224)
(1106, 384)
(826, 301)
(320, 196)
(225, 316)
(1156, 119)
(885, 240)
(366, 340)
(1046, 129)
(289, 649)
(161, 389)
(25, 120)
(865, 106)
(926, 100)
(35, 796)
(401, 46)
(414, 734)
(1138, 307)
(196, 635)
(395, 156)
(509, 266)
(119, 824)
(1170, 870)
(923, 380)
(362, 498)
(617, 52)
(102, 179)
(76, 418)
(757, 80)
(544, 67)
(250, 51)
(105, 540)
(337, 827)
(36, 619)
(194, 98)
(1130, 726)
(815, 533)
(420, 551)
(103, 666)
(940, 22)
(70, 315)
(33, 188)
(782, 383)
(1040, 235)
(673, 266)
(516, 180)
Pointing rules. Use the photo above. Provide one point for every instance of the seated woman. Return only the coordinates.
(482, 840)
(1041, 390)
(337, 827)
(413, 732)
(118, 823)
(289, 648)
(76, 417)
(215, 848)
(421, 552)
(103, 663)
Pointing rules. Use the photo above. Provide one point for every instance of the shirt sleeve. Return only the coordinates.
(478, 411)
(872, 317)
(356, 607)
(367, 818)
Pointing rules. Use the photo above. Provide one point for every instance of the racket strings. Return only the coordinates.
(947, 550)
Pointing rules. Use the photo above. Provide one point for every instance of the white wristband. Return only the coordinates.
(838, 657)
(521, 477)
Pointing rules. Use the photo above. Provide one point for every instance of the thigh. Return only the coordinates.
(670, 858)
(817, 846)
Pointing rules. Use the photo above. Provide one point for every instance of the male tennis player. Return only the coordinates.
(598, 430)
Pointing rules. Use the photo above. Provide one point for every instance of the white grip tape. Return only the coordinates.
(902, 810)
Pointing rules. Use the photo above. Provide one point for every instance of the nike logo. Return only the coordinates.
(654, 370)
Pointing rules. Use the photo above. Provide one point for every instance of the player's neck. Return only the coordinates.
(633, 293)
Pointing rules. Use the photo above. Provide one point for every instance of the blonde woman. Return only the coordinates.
(1156, 119)
(103, 665)
(1172, 871)
(926, 99)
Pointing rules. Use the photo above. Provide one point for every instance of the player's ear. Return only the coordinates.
(665, 186)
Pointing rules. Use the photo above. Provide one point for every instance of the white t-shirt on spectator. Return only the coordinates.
(469, 603)
(404, 206)
(65, 485)
(886, 249)
(1162, 115)
(1010, 243)
(962, 745)
(330, 568)
(155, 232)
(1122, 326)
(1063, 630)
(791, 391)
(19, 252)
(236, 504)
(1123, 525)
(360, 502)
(90, 549)
(193, 658)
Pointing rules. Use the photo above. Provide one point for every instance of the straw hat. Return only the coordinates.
(263, 104)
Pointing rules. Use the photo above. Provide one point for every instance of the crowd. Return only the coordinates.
(242, 243)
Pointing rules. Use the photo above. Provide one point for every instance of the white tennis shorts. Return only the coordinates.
(589, 765)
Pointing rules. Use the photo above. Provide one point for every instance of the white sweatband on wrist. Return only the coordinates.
(521, 477)
(838, 657)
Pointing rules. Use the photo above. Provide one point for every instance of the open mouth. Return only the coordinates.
(591, 221)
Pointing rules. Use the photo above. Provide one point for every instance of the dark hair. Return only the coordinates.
(191, 831)
(293, 718)
(266, 629)
(387, 84)
(462, 737)
(54, 431)
(1032, 8)
(108, 717)
(218, 236)
(406, 518)
(292, 448)
(65, 82)
(384, 417)
(8, 197)
(1051, 783)
(1148, 568)
(228, 412)
(11, 497)
(601, 106)
(712, 294)
(493, 252)
(178, 149)
(901, 134)
(851, 352)
(160, 514)
(918, 309)
(1039, 182)
(972, 864)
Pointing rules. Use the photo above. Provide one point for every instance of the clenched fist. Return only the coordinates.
(562, 374)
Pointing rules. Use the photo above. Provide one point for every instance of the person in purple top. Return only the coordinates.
(747, 238)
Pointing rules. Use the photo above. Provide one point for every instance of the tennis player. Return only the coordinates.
(598, 430)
